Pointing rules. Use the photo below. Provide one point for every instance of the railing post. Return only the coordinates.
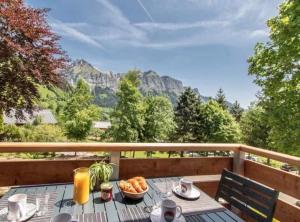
(238, 162)
(115, 159)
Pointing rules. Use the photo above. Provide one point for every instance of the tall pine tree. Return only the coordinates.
(186, 116)
(237, 111)
(221, 99)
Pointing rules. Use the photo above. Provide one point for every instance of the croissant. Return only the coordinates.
(134, 185)
(122, 184)
(137, 186)
(140, 179)
(143, 185)
(130, 188)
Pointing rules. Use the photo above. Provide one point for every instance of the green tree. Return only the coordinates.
(275, 66)
(79, 113)
(221, 98)
(128, 116)
(186, 116)
(2, 127)
(255, 128)
(159, 119)
(237, 111)
(214, 124)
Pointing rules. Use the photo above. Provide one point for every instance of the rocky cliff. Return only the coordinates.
(105, 84)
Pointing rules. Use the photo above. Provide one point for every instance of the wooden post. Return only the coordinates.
(238, 162)
(115, 159)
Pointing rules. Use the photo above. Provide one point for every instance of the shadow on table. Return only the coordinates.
(65, 203)
(124, 200)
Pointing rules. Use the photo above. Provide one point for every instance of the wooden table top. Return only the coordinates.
(205, 209)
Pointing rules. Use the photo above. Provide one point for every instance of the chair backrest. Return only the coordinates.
(251, 198)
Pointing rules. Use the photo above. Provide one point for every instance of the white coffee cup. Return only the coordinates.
(186, 186)
(170, 211)
(17, 206)
(62, 217)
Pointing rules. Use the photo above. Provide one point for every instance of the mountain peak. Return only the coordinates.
(105, 84)
(150, 72)
(81, 62)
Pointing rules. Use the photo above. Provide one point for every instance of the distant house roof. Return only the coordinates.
(46, 116)
(101, 124)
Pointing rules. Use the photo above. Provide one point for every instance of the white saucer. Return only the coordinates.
(155, 216)
(195, 194)
(30, 211)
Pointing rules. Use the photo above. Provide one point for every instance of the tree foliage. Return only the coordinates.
(31, 133)
(30, 55)
(255, 128)
(221, 98)
(128, 116)
(186, 112)
(79, 113)
(276, 67)
(236, 111)
(159, 119)
(214, 124)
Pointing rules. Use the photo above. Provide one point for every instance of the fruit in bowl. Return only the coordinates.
(134, 188)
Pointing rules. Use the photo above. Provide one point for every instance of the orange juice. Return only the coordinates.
(81, 185)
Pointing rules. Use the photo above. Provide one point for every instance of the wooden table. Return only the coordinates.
(117, 210)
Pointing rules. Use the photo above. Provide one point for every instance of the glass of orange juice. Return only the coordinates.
(81, 185)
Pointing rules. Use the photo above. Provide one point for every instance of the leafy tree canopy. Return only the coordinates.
(159, 119)
(276, 68)
(214, 124)
(255, 128)
(30, 55)
(79, 113)
(128, 116)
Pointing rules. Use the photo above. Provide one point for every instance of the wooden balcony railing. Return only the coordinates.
(204, 170)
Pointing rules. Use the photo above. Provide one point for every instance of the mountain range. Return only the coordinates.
(105, 84)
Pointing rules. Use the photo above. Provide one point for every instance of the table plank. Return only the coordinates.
(194, 218)
(206, 218)
(60, 189)
(234, 216)
(98, 203)
(51, 188)
(89, 206)
(215, 217)
(111, 211)
(67, 204)
(225, 217)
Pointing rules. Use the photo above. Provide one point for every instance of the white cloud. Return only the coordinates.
(145, 10)
(228, 22)
(118, 25)
(259, 33)
(70, 31)
(223, 37)
(179, 26)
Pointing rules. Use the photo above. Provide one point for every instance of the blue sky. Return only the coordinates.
(204, 43)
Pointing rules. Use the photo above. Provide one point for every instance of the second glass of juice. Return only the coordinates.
(81, 185)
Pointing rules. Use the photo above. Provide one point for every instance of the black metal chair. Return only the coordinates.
(251, 198)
